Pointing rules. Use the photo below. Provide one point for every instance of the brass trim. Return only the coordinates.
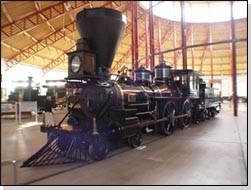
(122, 95)
(147, 96)
(160, 91)
(144, 90)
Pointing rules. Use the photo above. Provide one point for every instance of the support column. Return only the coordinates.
(211, 51)
(174, 40)
(146, 39)
(159, 39)
(183, 35)
(174, 46)
(132, 38)
(151, 41)
(192, 41)
(135, 33)
(234, 94)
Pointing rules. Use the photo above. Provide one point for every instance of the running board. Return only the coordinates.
(61, 148)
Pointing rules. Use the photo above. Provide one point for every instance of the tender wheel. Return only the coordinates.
(98, 149)
(203, 116)
(135, 141)
(212, 113)
(168, 127)
(207, 114)
(186, 109)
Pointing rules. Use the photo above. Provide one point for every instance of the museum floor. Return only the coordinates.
(213, 152)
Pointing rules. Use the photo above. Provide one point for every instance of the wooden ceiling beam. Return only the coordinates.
(6, 13)
(61, 59)
(10, 63)
(58, 61)
(33, 20)
(10, 47)
(43, 43)
(91, 6)
(68, 7)
(38, 8)
(47, 41)
(17, 50)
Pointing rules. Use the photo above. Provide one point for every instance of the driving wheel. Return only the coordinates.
(168, 127)
(186, 109)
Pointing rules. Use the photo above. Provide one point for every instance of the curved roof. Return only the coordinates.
(42, 32)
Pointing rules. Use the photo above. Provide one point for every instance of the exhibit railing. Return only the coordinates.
(19, 109)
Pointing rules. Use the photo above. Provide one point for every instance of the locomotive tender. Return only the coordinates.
(102, 110)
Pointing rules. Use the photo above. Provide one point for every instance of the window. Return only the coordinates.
(184, 80)
(192, 82)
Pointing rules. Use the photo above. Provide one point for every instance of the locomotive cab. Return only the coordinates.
(187, 81)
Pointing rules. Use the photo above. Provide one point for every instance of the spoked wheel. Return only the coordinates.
(186, 109)
(98, 149)
(135, 141)
(212, 113)
(168, 127)
(202, 116)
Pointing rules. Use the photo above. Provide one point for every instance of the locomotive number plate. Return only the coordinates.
(131, 97)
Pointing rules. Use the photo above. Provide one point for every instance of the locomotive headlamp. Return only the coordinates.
(75, 64)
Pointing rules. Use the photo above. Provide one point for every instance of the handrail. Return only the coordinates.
(192, 46)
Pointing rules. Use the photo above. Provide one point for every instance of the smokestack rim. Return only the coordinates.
(101, 12)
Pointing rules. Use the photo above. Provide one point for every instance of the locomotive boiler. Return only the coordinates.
(103, 111)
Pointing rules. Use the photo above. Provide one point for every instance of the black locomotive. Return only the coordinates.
(102, 110)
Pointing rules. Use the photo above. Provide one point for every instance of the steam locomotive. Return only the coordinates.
(104, 110)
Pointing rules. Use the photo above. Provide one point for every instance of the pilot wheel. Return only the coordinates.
(168, 127)
(98, 149)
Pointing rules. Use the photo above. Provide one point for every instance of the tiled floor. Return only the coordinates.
(211, 153)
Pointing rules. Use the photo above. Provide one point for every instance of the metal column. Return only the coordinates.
(146, 40)
(151, 41)
(211, 51)
(174, 46)
(174, 40)
(183, 35)
(132, 39)
(159, 39)
(234, 95)
(191, 29)
(134, 45)
(135, 32)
